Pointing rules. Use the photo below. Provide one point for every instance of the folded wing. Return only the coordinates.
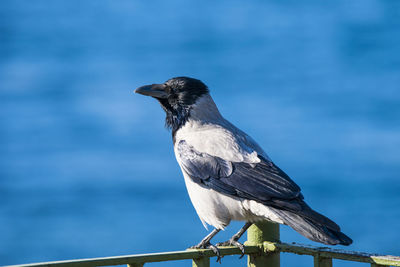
(263, 182)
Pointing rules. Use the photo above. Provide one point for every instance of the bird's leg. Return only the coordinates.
(205, 243)
(234, 239)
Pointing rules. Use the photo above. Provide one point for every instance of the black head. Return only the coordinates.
(176, 96)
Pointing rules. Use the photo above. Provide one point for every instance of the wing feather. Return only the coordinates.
(263, 182)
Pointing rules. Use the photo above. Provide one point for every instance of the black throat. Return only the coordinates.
(176, 116)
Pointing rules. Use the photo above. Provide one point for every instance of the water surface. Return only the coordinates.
(87, 168)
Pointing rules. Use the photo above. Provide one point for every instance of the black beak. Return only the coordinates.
(154, 90)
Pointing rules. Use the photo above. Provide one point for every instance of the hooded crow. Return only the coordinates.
(227, 174)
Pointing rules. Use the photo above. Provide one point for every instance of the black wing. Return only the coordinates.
(263, 182)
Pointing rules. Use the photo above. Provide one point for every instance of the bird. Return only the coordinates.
(228, 176)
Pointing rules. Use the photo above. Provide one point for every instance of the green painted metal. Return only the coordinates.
(322, 262)
(256, 235)
(143, 258)
(201, 262)
(332, 253)
(323, 255)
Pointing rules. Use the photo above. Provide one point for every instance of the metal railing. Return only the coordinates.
(260, 253)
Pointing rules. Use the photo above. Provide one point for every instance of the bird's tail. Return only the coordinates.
(314, 226)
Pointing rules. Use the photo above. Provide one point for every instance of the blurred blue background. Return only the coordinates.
(87, 168)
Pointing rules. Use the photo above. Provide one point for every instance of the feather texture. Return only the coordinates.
(218, 158)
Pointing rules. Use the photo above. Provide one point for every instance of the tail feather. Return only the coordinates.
(314, 230)
(301, 208)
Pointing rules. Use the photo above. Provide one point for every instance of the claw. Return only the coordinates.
(235, 243)
(216, 251)
(209, 246)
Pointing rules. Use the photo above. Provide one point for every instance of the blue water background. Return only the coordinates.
(87, 168)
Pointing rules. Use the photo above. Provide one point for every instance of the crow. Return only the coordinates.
(227, 174)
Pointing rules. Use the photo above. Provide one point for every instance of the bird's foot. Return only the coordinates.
(208, 245)
(233, 242)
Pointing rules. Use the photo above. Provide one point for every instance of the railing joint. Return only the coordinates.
(256, 235)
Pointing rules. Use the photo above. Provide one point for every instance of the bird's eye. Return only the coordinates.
(168, 89)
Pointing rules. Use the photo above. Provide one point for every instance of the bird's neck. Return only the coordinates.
(204, 111)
